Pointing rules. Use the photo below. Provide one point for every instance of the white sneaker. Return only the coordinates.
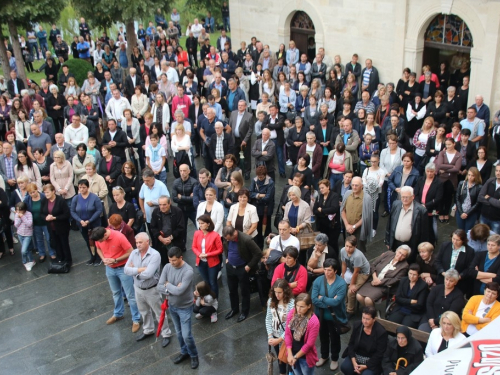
(29, 266)
(496, 163)
(199, 316)
(374, 232)
(14, 238)
(289, 162)
(213, 317)
(219, 275)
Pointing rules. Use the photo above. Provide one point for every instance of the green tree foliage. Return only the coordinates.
(104, 14)
(23, 14)
(79, 68)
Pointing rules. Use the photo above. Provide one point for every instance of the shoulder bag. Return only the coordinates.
(306, 237)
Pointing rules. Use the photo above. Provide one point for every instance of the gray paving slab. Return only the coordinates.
(55, 324)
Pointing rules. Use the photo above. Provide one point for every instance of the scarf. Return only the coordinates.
(290, 272)
(159, 115)
(371, 187)
(155, 152)
(82, 158)
(299, 326)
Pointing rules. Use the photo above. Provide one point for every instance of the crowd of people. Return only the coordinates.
(95, 159)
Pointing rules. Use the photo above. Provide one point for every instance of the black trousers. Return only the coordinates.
(329, 338)
(404, 319)
(246, 153)
(204, 310)
(61, 246)
(238, 277)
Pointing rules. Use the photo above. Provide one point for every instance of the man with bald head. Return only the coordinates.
(131, 82)
(182, 194)
(264, 152)
(369, 77)
(357, 213)
(143, 265)
(242, 127)
(483, 113)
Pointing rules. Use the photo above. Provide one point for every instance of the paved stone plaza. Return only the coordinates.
(56, 324)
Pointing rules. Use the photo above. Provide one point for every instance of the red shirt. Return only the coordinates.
(114, 247)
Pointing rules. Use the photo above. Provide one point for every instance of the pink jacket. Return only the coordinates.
(310, 337)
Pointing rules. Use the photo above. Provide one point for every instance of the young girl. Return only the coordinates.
(24, 225)
(206, 302)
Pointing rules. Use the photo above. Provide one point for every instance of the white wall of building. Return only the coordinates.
(390, 32)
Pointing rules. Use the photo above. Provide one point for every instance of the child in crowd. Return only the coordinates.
(206, 302)
(24, 224)
(156, 158)
(91, 150)
(366, 150)
(261, 116)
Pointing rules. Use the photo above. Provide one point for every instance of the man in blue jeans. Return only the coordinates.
(176, 282)
(114, 250)
(489, 196)
(275, 124)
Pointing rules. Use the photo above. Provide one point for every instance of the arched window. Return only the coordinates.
(448, 29)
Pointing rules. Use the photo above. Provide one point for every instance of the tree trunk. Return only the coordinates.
(131, 40)
(16, 46)
(3, 56)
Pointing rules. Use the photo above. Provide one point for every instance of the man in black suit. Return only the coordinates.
(407, 224)
(275, 124)
(264, 152)
(131, 81)
(242, 258)
(116, 138)
(242, 126)
(105, 83)
(221, 144)
(15, 85)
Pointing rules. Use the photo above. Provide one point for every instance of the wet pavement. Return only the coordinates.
(56, 324)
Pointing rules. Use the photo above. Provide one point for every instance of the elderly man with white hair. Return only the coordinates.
(407, 224)
(143, 265)
(483, 113)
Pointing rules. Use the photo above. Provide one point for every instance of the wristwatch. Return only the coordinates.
(354, 226)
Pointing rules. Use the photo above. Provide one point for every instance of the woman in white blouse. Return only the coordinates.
(181, 141)
(160, 111)
(446, 336)
(377, 174)
(139, 103)
(213, 208)
(243, 215)
(23, 127)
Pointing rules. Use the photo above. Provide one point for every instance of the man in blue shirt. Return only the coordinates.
(150, 192)
(83, 49)
(475, 125)
(42, 39)
(483, 113)
(122, 56)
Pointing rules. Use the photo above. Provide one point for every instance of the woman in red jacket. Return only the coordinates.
(207, 246)
(291, 271)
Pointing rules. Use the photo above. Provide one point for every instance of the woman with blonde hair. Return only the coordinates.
(139, 104)
(267, 85)
(421, 138)
(446, 336)
(61, 177)
(161, 112)
(181, 141)
(97, 184)
(72, 88)
(351, 85)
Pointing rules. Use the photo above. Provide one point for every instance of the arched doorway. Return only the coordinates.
(302, 32)
(448, 39)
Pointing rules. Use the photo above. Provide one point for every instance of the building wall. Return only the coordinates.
(390, 32)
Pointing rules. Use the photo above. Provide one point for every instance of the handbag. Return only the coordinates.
(59, 267)
(342, 327)
(307, 237)
(283, 353)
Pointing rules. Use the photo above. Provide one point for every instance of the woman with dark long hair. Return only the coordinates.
(280, 303)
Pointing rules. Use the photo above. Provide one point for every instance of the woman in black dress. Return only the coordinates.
(296, 137)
